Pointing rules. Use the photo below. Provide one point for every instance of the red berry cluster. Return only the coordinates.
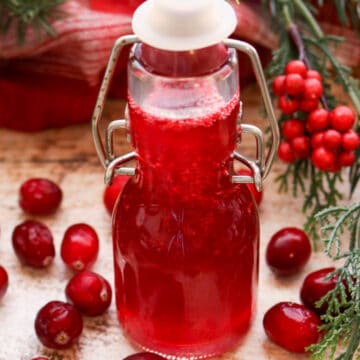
(325, 137)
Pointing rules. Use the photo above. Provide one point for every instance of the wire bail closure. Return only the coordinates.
(113, 163)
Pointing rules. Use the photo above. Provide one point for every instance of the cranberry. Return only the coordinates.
(301, 146)
(296, 67)
(89, 292)
(317, 140)
(332, 139)
(292, 128)
(33, 244)
(285, 152)
(58, 325)
(318, 120)
(278, 85)
(292, 326)
(294, 84)
(313, 89)
(342, 118)
(111, 192)
(4, 281)
(80, 247)
(288, 251)
(346, 158)
(144, 356)
(256, 194)
(350, 140)
(313, 74)
(288, 105)
(323, 158)
(40, 196)
(315, 286)
(307, 105)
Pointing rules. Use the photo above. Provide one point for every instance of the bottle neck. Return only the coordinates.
(183, 63)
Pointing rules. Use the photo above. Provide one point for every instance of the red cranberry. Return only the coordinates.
(278, 85)
(294, 84)
(317, 140)
(323, 158)
(40, 196)
(89, 292)
(292, 326)
(332, 139)
(346, 158)
(315, 286)
(256, 194)
(313, 89)
(4, 281)
(296, 67)
(350, 140)
(342, 118)
(80, 247)
(288, 105)
(285, 152)
(111, 192)
(58, 325)
(144, 356)
(313, 74)
(318, 120)
(301, 146)
(33, 244)
(307, 105)
(288, 251)
(292, 128)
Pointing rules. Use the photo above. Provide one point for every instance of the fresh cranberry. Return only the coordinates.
(256, 194)
(346, 158)
(313, 89)
(288, 105)
(58, 325)
(301, 146)
(308, 105)
(296, 67)
(316, 285)
(144, 356)
(111, 192)
(342, 118)
(285, 152)
(318, 120)
(80, 247)
(294, 84)
(317, 140)
(89, 292)
(40, 196)
(292, 128)
(322, 158)
(288, 251)
(292, 326)
(4, 281)
(313, 74)
(350, 140)
(278, 85)
(33, 244)
(332, 139)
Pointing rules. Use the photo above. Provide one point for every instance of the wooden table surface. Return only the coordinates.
(68, 157)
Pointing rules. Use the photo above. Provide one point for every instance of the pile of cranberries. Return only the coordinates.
(309, 131)
(287, 252)
(58, 324)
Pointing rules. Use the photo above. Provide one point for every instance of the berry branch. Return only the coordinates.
(317, 141)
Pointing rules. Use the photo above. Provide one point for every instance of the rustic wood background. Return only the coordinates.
(68, 157)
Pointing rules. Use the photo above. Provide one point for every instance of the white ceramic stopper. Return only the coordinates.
(180, 25)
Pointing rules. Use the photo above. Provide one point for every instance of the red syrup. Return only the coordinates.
(185, 238)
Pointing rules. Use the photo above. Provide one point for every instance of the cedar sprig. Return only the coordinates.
(341, 322)
(37, 14)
